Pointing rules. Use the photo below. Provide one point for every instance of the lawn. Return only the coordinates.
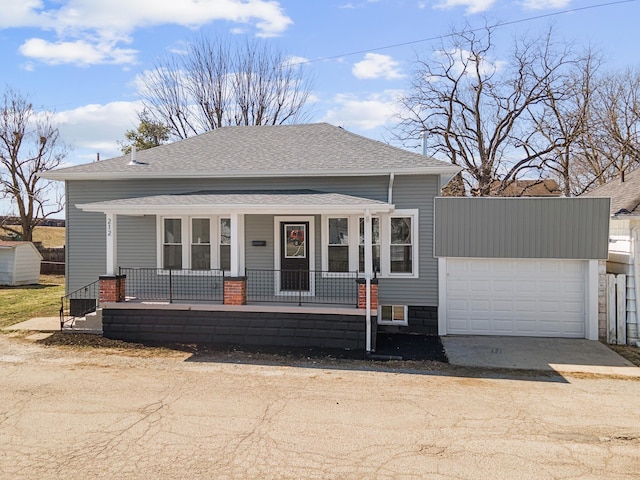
(22, 303)
(50, 237)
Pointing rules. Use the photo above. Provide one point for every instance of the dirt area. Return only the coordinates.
(630, 353)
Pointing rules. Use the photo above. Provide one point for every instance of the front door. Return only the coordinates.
(294, 256)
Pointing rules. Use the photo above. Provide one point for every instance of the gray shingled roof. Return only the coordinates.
(285, 150)
(252, 199)
(625, 196)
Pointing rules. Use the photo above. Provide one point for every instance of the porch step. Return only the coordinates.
(91, 323)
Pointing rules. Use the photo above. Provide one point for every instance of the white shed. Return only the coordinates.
(19, 263)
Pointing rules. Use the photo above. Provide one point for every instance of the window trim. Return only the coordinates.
(385, 243)
(187, 242)
(404, 322)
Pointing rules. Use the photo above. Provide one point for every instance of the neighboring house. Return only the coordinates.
(309, 235)
(624, 243)
(546, 187)
(19, 263)
(292, 215)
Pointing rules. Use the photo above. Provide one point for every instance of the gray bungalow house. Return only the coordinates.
(285, 235)
(309, 235)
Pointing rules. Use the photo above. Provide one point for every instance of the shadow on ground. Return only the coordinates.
(424, 356)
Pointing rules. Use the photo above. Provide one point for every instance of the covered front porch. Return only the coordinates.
(246, 250)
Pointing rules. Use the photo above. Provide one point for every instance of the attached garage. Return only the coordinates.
(520, 266)
(541, 298)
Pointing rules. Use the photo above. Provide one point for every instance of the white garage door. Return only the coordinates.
(543, 298)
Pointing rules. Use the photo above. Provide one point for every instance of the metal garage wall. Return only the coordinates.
(498, 227)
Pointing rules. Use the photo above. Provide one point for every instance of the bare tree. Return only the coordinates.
(480, 113)
(218, 83)
(29, 144)
(567, 121)
(617, 119)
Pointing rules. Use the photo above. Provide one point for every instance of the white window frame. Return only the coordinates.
(187, 241)
(404, 322)
(386, 262)
(385, 243)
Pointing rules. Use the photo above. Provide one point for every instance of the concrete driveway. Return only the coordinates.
(76, 413)
(561, 355)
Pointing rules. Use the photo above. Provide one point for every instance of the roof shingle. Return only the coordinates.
(284, 150)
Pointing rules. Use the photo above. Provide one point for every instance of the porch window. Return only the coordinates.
(401, 248)
(200, 244)
(338, 245)
(194, 243)
(225, 243)
(375, 244)
(172, 243)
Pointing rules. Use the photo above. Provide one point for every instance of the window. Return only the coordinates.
(394, 244)
(375, 244)
(401, 250)
(338, 245)
(172, 243)
(225, 243)
(195, 243)
(392, 315)
(200, 244)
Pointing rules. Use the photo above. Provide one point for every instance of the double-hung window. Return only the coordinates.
(172, 243)
(338, 245)
(195, 243)
(393, 243)
(401, 248)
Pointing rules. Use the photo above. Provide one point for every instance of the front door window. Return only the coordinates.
(294, 257)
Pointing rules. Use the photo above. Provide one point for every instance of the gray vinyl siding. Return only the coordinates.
(137, 235)
(569, 228)
(411, 192)
(259, 227)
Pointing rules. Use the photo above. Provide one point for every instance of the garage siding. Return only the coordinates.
(576, 228)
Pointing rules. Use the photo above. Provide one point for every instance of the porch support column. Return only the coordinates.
(368, 270)
(112, 244)
(237, 238)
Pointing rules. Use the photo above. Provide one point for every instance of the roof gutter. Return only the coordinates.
(141, 175)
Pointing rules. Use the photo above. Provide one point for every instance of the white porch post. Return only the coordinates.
(368, 270)
(236, 238)
(112, 244)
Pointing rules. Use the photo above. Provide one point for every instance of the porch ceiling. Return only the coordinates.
(240, 201)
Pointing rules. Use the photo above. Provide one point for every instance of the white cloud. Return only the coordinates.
(545, 4)
(473, 6)
(375, 65)
(367, 113)
(94, 128)
(96, 28)
(78, 52)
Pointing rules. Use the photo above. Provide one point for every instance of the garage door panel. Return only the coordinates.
(516, 297)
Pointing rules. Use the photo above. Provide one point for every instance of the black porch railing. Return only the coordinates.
(79, 303)
(158, 284)
(302, 286)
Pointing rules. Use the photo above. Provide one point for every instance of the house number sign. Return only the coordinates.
(109, 232)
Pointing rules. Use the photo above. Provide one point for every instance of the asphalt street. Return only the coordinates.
(84, 413)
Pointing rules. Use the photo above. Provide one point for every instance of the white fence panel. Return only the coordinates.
(617, 309)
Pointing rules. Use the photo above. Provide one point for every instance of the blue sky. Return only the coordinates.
(83, 58)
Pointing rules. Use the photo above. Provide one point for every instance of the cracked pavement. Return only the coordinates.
(67, 414)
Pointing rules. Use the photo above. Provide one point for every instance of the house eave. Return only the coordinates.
(374, 208)
(61, 175)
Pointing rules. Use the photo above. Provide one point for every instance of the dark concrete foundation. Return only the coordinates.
(423, 320)
(236, 328)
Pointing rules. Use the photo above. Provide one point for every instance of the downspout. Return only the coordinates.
(390, 192)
